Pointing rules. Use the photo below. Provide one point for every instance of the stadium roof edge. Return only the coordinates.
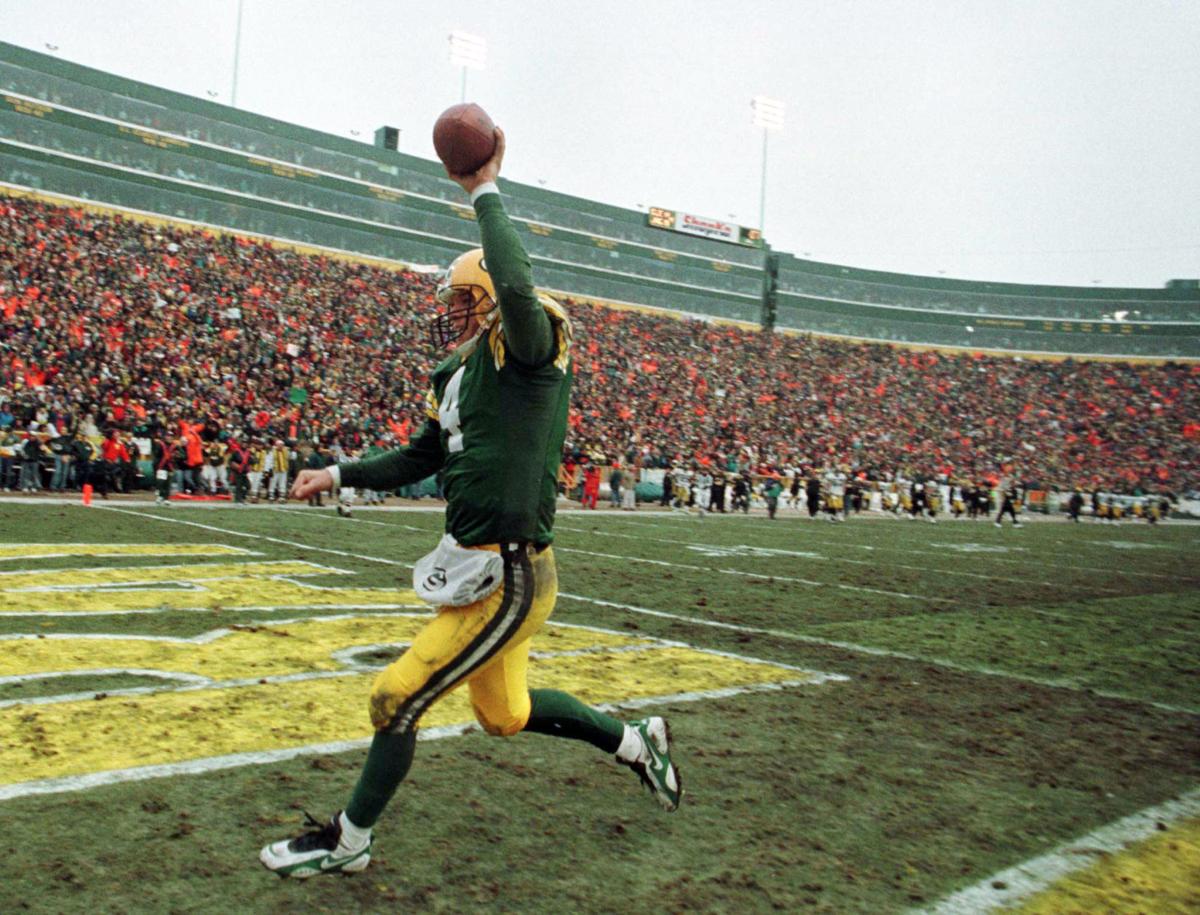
(994, 287)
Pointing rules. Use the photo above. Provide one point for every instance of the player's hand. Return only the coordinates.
(311, 482)
(489, 171)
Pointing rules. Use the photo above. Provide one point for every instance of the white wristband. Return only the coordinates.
(488, 187)
(336, 472)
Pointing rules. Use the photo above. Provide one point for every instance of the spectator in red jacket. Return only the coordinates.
(110, 462)
(591, 485)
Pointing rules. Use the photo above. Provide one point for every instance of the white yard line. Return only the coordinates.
(167, 675)
(818, 675)
(293, 578)
(197, 766)
(212, 635)
(120, 549)
(325, 516)
(190, 687)
(1009, 887)
(757, 575)
(215, 763)
(54, 614)
(675, 565)
(195, 683)
(825, 558)
(263, 537)
(888, 548)
(980, 670)
(865, 562)
(197, 568)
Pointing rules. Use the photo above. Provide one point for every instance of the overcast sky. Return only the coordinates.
(1021, 140)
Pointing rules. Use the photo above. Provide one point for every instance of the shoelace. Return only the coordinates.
(324, 835)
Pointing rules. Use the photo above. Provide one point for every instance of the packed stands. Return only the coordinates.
(83, 133)
(112, 322)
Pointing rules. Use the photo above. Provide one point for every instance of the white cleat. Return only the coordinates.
(319, 851)
(654, 766)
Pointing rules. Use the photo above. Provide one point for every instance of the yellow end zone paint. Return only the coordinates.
(55, 550)
(83, 579)
(77, 737)
(239, 713)
(263, 650)
(1159, 874)
(244, 584)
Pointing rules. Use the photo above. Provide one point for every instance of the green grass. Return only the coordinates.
(58, 686)
(986, 718)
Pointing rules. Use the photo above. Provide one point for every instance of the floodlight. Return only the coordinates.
(468, 50)
(768, 112)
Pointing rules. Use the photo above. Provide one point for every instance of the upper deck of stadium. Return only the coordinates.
(74, 131)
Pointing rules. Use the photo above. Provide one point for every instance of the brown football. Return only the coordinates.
(464, 138)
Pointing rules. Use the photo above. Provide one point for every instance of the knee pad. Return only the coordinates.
(388, 696)
(502, 722)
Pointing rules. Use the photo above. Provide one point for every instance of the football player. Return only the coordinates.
(703, 491)
(916, 500)
(1009, 503)
(1075, 505)
(794, 490)
(496, 420)
(957, 501)
(681, 488)
(812, 493)
(835, 486)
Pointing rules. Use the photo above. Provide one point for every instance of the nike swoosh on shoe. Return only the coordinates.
(329, 862)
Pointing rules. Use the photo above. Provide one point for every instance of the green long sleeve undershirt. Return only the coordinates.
(528, 335)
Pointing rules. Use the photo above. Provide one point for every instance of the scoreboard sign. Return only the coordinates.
(690, 224)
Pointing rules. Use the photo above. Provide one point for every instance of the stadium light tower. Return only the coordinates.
(469, 52)
(768, 114)
(237, 54)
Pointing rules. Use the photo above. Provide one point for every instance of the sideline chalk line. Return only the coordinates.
(1009, 887)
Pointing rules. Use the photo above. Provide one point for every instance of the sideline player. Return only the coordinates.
(1009, 502)
(497, 417)
(703, 492)
(835, 488)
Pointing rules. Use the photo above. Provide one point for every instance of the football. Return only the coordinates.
(464, 138)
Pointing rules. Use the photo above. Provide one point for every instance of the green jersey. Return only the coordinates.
(495, 425)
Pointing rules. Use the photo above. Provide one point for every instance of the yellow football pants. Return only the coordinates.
(484, 644)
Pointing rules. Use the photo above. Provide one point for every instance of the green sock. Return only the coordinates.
(387, 764)
(562, 715)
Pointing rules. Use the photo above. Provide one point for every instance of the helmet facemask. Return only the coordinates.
(465, 291)
(447, 326)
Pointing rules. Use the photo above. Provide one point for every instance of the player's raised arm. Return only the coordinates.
(527, 331)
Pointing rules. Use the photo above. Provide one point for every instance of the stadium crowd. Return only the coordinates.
(193, 338)
(698, 390)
